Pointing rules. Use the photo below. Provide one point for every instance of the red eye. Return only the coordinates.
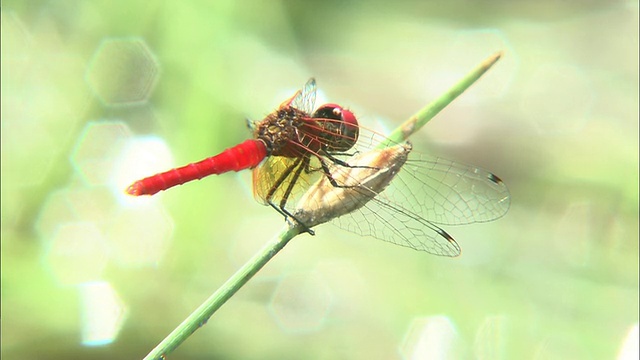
(343, 133)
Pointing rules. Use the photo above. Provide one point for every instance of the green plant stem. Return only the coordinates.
(200, 316)
(419, 119)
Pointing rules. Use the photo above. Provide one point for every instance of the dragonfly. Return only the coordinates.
(298, 148)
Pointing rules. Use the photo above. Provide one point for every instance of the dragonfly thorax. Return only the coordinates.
(279, 131)
(291, 132)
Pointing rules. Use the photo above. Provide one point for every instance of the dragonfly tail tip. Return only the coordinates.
(135, 189)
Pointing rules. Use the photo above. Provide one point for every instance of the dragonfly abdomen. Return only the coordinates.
(240, 157)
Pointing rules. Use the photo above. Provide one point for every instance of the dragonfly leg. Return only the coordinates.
(327, 173)
(335, 160)
(288, 215)
(298, 165)
(303, 164)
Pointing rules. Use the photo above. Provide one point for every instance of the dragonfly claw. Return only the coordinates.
(303, 228)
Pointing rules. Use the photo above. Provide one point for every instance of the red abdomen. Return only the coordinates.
(242, 156)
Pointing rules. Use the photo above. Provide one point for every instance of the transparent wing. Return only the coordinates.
(441, 191)
(426, 193)
(305, 98)
(449, 193)
(381, 219)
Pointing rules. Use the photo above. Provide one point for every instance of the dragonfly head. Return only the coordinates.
(340, 127)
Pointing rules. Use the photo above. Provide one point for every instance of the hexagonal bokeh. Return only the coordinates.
(142, 156)
(432, 337)
(55, 212)
(103, 313)
(141, 118)
(301, 303)
(139, 234)
(97, 149)
(122, 71)
(95, 205)
(77, 253)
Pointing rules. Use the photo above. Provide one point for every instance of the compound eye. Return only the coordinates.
(336, 112)
(345, 129)
(328, 111)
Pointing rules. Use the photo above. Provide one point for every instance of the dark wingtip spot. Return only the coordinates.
(445, 235)
(495, 179)
(455, 250)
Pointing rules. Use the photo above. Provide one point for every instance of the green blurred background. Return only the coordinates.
(83, 82)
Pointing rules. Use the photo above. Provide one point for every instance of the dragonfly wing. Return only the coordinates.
(267, 174)
(384, 220)
(448, 193)
(356, 195)
(442, 191)
(305, 98)
(425, 193)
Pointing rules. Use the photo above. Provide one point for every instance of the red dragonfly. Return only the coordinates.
(294, 146)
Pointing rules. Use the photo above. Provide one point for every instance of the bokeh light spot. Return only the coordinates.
(95, 204)
(56, 211)
(139, 234)
(103, 313)
(630, 348)
(122, 71)
(429, 338)
(77, 253)
(142, 119)
(301, 303)
(142, 156)
(97, 149)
